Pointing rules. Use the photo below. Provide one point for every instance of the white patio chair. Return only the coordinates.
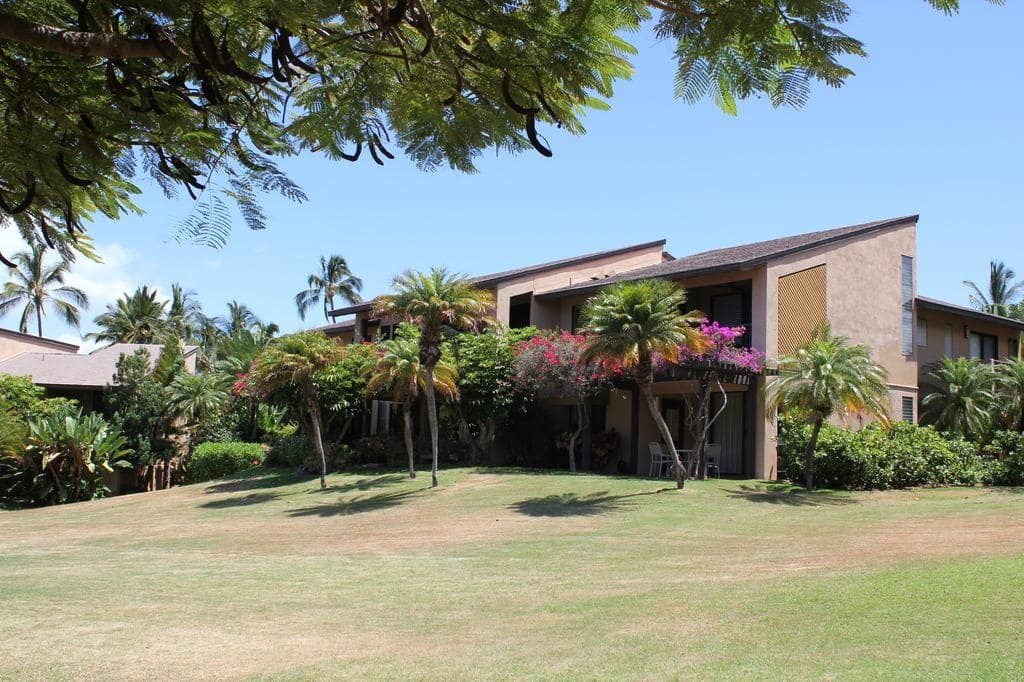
(714, 459)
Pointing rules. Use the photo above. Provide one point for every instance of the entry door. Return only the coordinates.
(728, 431)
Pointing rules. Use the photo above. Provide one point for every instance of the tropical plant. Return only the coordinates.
(35, 285)
(399, 373)
(434, 301)
(66, 456)
(217, 460)
(332, 280)
(195, 398)
(240, 317)
(632, 323)
(185, 318)
(828, 376)
(1002, 292)
(553, 365)
(181, 90)
(1010, 388)
(135, 318)
(959, 397)
(291, 363)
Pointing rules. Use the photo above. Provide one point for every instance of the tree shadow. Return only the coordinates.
(357, 505)
(369, 483)
(241, 501)
(254, 479)
(572, 504)
(786, 494)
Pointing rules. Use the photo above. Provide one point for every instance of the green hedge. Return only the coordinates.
(216, 460)
(902, 456)
(1006, 454)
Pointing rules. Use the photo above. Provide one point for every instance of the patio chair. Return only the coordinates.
(714, 458)
(660, 461)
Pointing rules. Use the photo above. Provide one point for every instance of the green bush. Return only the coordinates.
(216, 460)
(1005, 458)
(295, 451)
(875, 458)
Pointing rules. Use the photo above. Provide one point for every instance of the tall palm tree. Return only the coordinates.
(185, 315)
(631, 322)
(960, 396)
(135, 318)
(432, 301)
(36, 284)
(399, 372)
(1002, 292)
(239, 317)
(293, 362)
(334, 279)
(829, 376)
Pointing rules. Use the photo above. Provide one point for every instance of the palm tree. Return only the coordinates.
(195, 398)
(1002, 290)
(433, 301)
(35, 285)
(828, 376)
(1010, 386)
(398, 371)
(630, 322)
(960, 396)
(334, 279)
(185, 315)
(292, 362)
(134, 318)
(239, 317)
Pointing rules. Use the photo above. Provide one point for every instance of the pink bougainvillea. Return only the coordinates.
(722, 349)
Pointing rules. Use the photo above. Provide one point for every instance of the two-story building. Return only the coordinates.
(861, 279)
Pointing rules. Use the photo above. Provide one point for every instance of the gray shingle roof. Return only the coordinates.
(941, 306)
(497, 277)
(94, 370)
(734, 257)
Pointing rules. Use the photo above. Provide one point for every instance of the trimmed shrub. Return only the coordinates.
(875, 458)
(1005, 459)
(294, 451)
(216, 460)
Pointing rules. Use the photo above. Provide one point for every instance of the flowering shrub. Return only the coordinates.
(721, 351)
(550, 364)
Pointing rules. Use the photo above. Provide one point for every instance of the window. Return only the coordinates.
(922, 332)
(908, 409)
(1012, 348)
(574, 323)
(949, 341)
(907, 310)
(519, 311)
(732, 310)
(984, 346)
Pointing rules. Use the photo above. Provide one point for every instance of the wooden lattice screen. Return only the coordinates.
(802, 307)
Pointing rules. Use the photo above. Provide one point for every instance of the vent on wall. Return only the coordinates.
(802, 307)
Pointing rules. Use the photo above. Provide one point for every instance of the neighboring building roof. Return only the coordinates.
(40, 340)
(337, 327)
(740, 257)
(94, 370)
(498, 277)
(942, 306)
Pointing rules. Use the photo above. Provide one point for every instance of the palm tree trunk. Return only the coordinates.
(647, 390)
(809, 454)
(432, 419)
(318, 440)
(409, 450)
(39, 318)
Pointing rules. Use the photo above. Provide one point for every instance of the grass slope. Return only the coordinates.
(514, 575)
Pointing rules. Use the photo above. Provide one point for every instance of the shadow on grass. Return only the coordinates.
(369, 483)
(254, 479)
(357, 505)
(572, 504)
(243, 501)
(786, 494)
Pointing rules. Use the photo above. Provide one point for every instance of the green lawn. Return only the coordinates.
(515, 575)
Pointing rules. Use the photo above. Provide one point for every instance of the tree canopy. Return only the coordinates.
(205, 96)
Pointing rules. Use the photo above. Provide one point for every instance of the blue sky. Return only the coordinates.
(931, 124)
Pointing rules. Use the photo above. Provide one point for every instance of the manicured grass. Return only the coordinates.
(514, 574)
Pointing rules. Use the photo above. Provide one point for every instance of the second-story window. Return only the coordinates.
(907, 304)
(984, 346)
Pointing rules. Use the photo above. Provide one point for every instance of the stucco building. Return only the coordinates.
(861, 279)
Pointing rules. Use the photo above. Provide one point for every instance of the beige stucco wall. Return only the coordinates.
(936, 322)
(542, 314)
(13, 344)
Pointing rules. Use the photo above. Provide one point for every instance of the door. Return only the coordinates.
(728, 432)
